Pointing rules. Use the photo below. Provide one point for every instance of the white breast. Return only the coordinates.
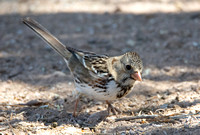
(98, 93)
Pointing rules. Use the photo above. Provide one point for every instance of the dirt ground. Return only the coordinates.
(36, 89)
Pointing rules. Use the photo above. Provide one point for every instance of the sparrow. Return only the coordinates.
(96, 76)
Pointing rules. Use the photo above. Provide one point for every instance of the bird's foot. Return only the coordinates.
(112, 109)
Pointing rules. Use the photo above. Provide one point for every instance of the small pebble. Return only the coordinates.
(99, 108)
(104, 131)
(12, 41)
(19, 32)
(130, 42)
(162, 32)
(54, 124)
(76, 125)
(80, 122)
(163, 106)
(147, 72)
(44, 106)
(87, 110)
(195, 44)
(167, 69)
(98, 103)
(2, 119)
(123, 133)
(78, 29)
(132, 104)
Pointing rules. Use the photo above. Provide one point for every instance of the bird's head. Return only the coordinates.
(127, 68)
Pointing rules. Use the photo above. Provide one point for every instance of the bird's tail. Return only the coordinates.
(48, 37)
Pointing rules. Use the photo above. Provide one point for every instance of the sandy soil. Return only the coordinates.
(36, 88)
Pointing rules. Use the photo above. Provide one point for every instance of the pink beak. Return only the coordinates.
(136, 76)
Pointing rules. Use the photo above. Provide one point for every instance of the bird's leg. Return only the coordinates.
(112, 109)
(75, 107)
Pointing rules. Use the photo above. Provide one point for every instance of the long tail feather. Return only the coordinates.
(48, 37)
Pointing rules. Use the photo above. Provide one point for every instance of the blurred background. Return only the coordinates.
(165, 33)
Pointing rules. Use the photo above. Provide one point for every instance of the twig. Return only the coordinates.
(157, 117)
(10, 126)
(30, 103)
(137, 117)
(184, 116)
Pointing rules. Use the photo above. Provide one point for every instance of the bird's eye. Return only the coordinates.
(128, 67)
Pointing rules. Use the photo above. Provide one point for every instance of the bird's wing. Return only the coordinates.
(93, 62)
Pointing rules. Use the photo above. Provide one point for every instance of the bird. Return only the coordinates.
(100, 77)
